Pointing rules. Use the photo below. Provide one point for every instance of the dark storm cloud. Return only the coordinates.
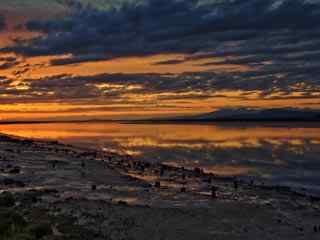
(159, 26)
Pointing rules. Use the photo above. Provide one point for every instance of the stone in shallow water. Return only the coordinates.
(235, 184)
(315, 229)
(214, 191)
(157, 184)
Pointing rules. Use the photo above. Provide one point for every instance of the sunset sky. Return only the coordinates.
(67, 59)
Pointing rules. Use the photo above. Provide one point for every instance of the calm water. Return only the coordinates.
(285, 154)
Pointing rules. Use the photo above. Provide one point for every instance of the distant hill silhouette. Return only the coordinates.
(251, 114)
(261, 114)
(222, 115)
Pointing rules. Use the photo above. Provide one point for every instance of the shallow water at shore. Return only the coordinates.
(284, 153)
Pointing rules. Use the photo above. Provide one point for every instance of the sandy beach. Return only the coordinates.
(54, 191)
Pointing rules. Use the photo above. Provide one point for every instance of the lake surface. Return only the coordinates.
(282, 153)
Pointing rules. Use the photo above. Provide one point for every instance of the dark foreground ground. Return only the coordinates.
(53, 191)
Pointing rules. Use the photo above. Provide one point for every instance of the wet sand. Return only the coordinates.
(55, 191)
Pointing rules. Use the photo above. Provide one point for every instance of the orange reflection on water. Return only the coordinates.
(152, 134)
(223, 149)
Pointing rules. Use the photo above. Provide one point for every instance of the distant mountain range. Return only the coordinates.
(222, 115)
(250, 114)
(261, 114)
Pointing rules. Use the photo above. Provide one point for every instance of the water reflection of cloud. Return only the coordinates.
(275, 159)
(282, 154)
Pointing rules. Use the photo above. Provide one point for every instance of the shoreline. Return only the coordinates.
(63, 176)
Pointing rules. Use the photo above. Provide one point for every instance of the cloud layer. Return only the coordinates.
(277, 41)
(158, 26)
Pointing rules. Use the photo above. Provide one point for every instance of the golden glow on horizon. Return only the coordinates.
(146, 105)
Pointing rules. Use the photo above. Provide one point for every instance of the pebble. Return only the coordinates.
(213, 192)
(122, 203)
(83, 165)
(9, 181)
(15, 170)
(198, 171)
(161, 171)
(183, 176)
(315, 229)
(235, 185)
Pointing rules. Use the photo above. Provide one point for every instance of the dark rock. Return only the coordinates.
(93, 187)
(122, 203)
(83, 165)
(251, 183)
(183, 176)
(10, 220)
(198, 171)
(9, 181)
(142, 168)
(207, 180)
(300, 229)
(7, 200)
(34, 199)
(55, 163)
(45, 191)
(15, 170)
(147, 165)
(40, 230)
(161, 171)
(157, 184)
(314, 198)
(235, 184)
(214, 191)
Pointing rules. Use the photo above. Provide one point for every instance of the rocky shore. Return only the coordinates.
(49, 190)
